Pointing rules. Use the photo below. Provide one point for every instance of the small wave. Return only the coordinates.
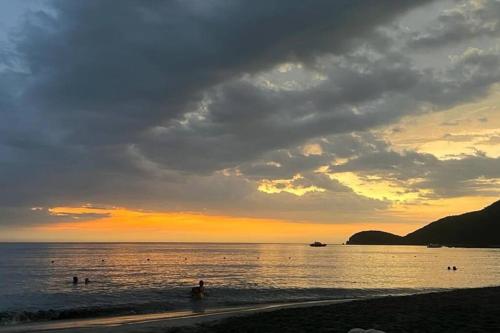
(172, 299)
(19, 317)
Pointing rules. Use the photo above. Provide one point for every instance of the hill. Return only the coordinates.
(474, 229)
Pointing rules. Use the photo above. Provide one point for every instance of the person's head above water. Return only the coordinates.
(201, 283)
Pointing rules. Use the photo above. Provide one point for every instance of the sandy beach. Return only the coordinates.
(466, 310)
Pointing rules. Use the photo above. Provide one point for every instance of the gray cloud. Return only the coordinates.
(88, 88)
(469, 20)
(143, 104)
(469, 175)
(12, 216)
(106, 79)
(243, 121)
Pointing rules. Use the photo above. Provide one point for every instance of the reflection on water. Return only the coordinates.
(121, 274)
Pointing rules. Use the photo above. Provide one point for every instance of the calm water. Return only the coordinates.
(124, 281)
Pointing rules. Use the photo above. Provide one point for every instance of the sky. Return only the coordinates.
(244, 121)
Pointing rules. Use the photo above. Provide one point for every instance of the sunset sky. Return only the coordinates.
(245, 121)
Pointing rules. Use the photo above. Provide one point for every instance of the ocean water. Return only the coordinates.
(36, 279)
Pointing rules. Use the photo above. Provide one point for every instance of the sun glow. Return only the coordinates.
(122, 224)
(463, 129)
(377, 188)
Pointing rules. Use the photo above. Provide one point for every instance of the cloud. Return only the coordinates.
(187, 105)
(241, 121)
(40, 215)
(450, 123)
(468, 20)
(493, 140)
(434, 178)
(86, 89)
(106, 80)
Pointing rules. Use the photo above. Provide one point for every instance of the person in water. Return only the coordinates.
(198, 292)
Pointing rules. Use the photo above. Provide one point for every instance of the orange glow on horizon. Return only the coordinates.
(123, 224)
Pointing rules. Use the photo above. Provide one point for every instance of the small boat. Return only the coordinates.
(434, 246)
(317, 244)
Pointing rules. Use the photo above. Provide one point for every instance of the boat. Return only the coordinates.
(434, 246)
(317, 244)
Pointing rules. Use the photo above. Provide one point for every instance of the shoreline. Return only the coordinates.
(422, 312)
(459, 310)
(159, 320)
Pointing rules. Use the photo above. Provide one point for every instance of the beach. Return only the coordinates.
(464, 310)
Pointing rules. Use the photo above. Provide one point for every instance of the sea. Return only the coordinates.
(132, 278)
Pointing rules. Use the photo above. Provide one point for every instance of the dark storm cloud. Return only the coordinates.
(106, 71)
(102, 101)
(88, 80)
(244, 120)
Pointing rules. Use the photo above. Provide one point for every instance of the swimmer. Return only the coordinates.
(198, 292)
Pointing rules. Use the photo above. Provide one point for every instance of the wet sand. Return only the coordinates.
(153, 322)
(466, 310)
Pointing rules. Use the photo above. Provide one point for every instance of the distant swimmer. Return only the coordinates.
(198, 292)
(52, 261)
(87, 281)
(454, 268)
(75, 279)
(449, 268)
(147, 259)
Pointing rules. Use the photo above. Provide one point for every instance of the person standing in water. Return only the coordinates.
(198, 292)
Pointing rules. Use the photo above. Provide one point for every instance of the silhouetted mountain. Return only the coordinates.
(474, 229)
(374, 237)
